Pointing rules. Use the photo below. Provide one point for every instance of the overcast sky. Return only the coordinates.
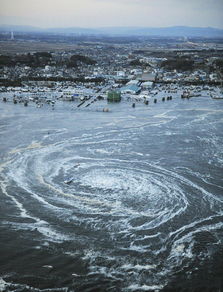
(100, 13)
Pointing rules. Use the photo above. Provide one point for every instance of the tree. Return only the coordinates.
(179, 64)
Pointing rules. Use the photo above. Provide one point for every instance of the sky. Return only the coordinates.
(104, 13)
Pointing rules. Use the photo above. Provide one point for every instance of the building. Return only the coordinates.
(132, 88)
(147, 77)
(147, 85)
(114, 96)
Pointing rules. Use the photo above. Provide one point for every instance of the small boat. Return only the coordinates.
(68, 181)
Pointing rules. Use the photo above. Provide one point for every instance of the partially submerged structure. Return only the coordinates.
(114, 96)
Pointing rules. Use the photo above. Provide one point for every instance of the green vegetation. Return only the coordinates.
(43, 55)
(39, 59)
(179, 64)
(135, 62)
(76, 59)
(219, 64)
(6, 61)
(14, 83)
(138, 63)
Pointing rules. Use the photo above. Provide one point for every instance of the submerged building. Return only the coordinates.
(114, 96)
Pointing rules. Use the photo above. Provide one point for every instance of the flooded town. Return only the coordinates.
(111, 152)
(136, 70)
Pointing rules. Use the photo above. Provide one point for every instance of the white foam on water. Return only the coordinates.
(33, 145)
(136, 287)
(136, 248)
(49, 233)
(190, 183)
(17, 174)
(177, 253)
(131, 180)
(3, 285)
(123, 189)
(102, 151)
(138, 267)
(53, 235)
(180, 248)
(22, 210)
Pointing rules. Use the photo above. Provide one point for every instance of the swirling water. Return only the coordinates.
(144, 200)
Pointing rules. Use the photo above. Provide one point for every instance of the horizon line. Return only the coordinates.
(109, 26)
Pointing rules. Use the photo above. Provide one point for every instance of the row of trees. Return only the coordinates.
(179, 64)
(18, 82)
(182, 64)
(75, 60)
(185, 64)
(219, 64)
(41, 59)
(38, 59)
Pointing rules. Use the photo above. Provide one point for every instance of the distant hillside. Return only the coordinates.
(175, 31)
(74, 30)
(19, 28)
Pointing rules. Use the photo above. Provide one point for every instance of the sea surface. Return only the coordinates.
(127, 200)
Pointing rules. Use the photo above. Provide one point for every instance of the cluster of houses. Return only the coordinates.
(126, 64)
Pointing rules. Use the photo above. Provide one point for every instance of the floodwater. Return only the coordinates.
(142, 209)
